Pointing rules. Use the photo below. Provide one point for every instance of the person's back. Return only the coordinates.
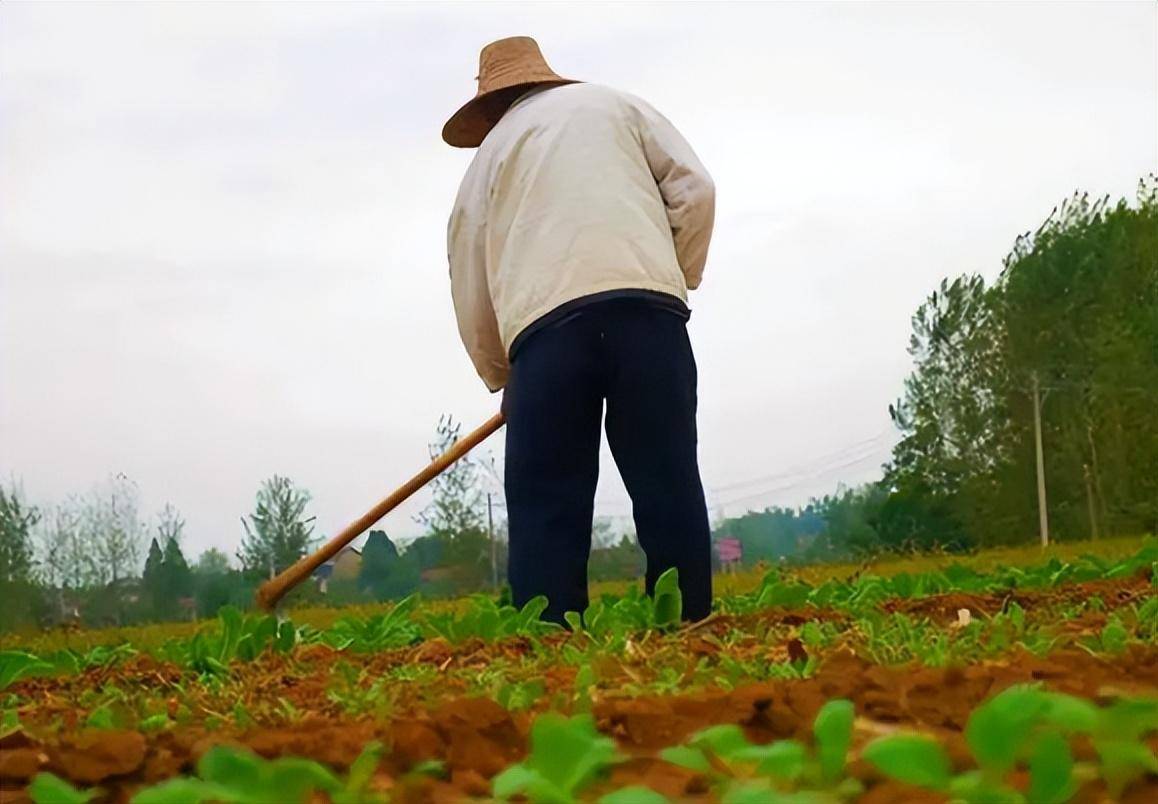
(579, 227)
(572, 205)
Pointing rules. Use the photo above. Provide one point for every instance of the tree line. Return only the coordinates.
(81, 560)
(1063, 343)
(93, 560)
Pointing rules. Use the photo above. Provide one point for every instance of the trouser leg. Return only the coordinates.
(651, 429)
(554, 403)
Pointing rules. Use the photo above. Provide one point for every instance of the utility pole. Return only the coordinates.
(1090, 502)
(1042, 516)
(491, 537)
(1099, 498)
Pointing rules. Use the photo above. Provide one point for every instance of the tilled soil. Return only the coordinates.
(476, 737)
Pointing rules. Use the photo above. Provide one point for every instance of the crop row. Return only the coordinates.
(611, 621)
(1026, 745)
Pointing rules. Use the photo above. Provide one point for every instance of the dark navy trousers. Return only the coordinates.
(638, 360)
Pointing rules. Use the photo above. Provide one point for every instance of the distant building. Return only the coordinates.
(345, 566)
(730, 552)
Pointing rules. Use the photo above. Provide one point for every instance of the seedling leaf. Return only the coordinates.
(668, 599)
(911, 758)
(833, 732)
(1051, 768)
(687, 757)
(49, 789)
(184, 791)
(636, 794)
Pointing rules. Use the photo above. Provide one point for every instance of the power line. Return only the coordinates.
(807, 467)
(800, 474)
(798, 483)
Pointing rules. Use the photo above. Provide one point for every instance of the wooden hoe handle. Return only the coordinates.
(275, 588)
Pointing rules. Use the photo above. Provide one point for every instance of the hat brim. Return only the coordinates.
(469, 126)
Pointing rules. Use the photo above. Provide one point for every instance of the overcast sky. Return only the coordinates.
(222, 226)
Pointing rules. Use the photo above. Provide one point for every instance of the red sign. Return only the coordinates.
(729, 550)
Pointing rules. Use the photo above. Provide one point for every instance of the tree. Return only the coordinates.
(22, 597)
(216, 584)
(212, 562)
(457, 506)
(380, 560)
(603, 533)
(1074, 312)
(66, 561)
(170, 525)
(111, 528)
(1080, 304)
(771, 534)
(178, 578)
(278, 533)
(17, 519)
(953, 414)
(616, 561)
(153, 579)
(851, 518)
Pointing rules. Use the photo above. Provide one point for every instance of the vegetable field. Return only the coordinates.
(1029, 682)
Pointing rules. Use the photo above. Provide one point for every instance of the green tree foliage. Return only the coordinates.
(278, 532)
(852, 518)
(454, 555)
(176, 573)
(952, 417)
(17, 519)
(212, 562)
(384, 574)
(465, 563)
(1076, 307)
(216, 584)
(152, 579)
(166, 579)
(21, 595)
(773, 533)
(619, 561)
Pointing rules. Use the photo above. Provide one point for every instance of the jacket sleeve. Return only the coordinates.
(477, 323)
(686, 188)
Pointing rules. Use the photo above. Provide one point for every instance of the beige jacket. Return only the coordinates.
(578, 189)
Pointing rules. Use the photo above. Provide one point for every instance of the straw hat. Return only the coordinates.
(506, 69)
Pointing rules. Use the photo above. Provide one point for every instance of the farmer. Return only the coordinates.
(580, 226)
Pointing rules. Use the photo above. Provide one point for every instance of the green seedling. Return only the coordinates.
(567, 754)
(155, 723)
(241, 777)
(668, 601)
(101, 718)
(832, 730)
(585, 682)
(912, 759)
(779, 770)
(394, 629)
(238, 637)
(49, 789)
(635, 794)
(242, 717)
(15, 665)
(353, 694)
(487, 620)
(520, 694)
(9, 722)
(1030, 726)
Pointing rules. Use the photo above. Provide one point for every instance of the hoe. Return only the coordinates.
(275, 588)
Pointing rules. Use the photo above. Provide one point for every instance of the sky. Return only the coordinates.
(222, 226)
